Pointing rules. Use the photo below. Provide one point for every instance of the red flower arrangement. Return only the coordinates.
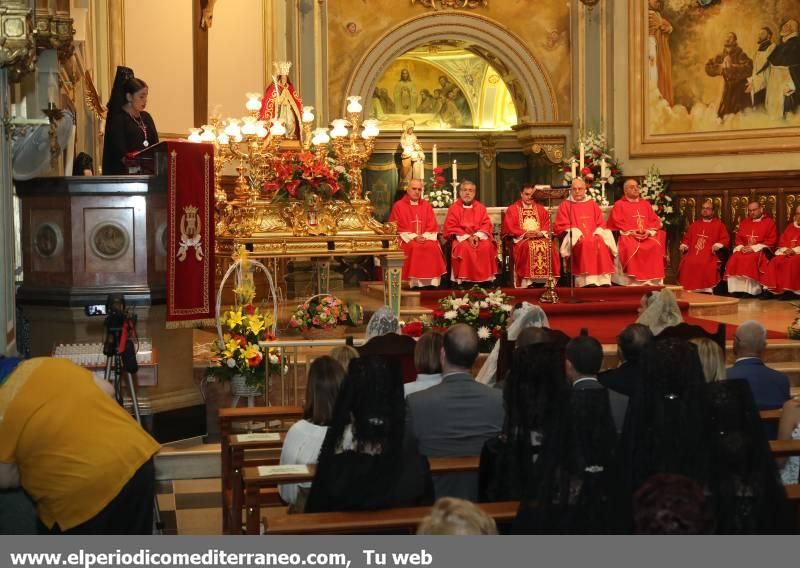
(298, 174)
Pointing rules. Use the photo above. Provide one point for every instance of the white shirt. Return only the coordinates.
(301, 447)
(422, 382)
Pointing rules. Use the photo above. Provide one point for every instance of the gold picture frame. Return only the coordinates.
(646, 142)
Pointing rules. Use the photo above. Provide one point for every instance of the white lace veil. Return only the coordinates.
(382, 322)
(527, 315)
(662, 311)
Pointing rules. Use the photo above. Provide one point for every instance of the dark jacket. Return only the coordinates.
(769, 387)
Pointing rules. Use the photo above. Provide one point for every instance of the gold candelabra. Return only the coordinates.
(353, 149)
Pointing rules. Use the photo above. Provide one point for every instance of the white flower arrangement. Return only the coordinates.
(654, 190)
(486, 311)
(440, 197)
(595, 149)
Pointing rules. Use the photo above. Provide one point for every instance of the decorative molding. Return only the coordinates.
(17, 39)
(55, 31)
(454, 4)
(554, 152)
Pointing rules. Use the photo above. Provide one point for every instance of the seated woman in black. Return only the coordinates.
(128, 127)
(364, 463)
(531, 393)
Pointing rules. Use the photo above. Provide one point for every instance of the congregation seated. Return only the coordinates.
(453, 516)
(343, 354)
(418, 238)
(304, 439)
(770, 388)
(641, 244)
(473, 252)
(755, 242)
(699, 269)
(531, 395)
(712, 358)
(385, 340)
(527, 224)
(783, 272)
(364, 463)
(585, 238)
(574, 489)
(457, 416)
(747, 494)
(427, 363)
(523, 315)
(631, 343)
(659, 310)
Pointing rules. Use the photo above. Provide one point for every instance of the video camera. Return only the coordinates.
(120, 326)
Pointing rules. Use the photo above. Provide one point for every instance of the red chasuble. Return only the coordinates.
(699, 268)
(752, 265)
(783, 272)
(639, 260)
(530, 255)
(591, 256)
(472, 263)
(424, 263)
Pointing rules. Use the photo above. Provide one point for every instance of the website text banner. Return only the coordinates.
(391, 551)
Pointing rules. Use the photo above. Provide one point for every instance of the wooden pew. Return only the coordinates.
(770, 415)
(227, 417)
(402, 520)
(255, 485)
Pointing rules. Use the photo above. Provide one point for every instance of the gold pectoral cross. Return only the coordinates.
(752, 238)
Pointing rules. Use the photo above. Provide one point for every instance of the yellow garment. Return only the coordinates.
(74, 446)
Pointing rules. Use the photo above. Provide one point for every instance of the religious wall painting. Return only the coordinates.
(714, 77)
(442, 86)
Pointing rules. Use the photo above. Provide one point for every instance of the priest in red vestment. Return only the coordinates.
(419, 238)
(528, 223)
(699, 268)
(641, 244)
(282, 101)
(783, 271)
(584, 237)
(473, 256)
(748, 263)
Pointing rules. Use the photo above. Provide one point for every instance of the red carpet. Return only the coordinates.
(603, 311)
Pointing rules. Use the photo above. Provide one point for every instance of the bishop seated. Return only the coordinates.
(585, 238)
(419, 237)
(473, 255)
(641, 244)
(756, 236)
(527, 223)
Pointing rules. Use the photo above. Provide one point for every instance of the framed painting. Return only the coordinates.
(714, 77)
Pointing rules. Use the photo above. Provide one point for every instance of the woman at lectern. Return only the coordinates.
(128, 127)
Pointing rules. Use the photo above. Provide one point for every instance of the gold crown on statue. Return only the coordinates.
(190, 209)
(282, 67)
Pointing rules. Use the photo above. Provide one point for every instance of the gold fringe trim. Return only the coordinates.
(186, 324)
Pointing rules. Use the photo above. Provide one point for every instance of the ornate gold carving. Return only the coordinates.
(17, 44)
(453, 4)
(738, 210)
(488, 150)
(55, 31)
(553, 152)
(769, 203)
(792, 200)
(191, 234)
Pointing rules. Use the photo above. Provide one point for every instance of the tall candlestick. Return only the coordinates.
(435, 157)
(574, 166)
(583, 156)
(455, 170)
(603, 169)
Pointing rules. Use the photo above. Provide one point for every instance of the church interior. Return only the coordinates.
(284, 136)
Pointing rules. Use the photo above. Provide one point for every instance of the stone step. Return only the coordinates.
(408, 297)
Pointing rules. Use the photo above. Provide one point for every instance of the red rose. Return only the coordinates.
(413, 329)
(497, 332)
(586, 171)
(254, 360)
(438, 313)
(484, 314)
(463, 307)
(438, 170)
(249, 309)
(240, 339)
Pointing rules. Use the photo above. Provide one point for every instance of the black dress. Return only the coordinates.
(124, 134)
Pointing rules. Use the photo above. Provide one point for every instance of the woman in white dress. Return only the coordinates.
(789, 429)
(304, 439)
(526, 315)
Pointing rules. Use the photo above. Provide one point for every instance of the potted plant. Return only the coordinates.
(320, 316)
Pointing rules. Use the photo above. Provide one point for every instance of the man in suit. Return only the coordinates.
(455, 417)
(584, 356)
(770, 388)
(631, 342)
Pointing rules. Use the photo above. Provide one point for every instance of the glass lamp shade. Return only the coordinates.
(339, 128)
(249, 126)
(277, 128)
(261, 129)
(371, 129)
(308, 114)
(208, 134)
(253, 102)
(320, 136)
(223, 139)
(194, 135)
(232, 129)
(353, 104)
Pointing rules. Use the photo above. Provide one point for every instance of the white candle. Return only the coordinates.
(455, 170)
(603, 169)
(583, 156)
(574, 166)
(435, 157)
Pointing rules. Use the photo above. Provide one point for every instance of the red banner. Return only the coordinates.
(190, 226)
